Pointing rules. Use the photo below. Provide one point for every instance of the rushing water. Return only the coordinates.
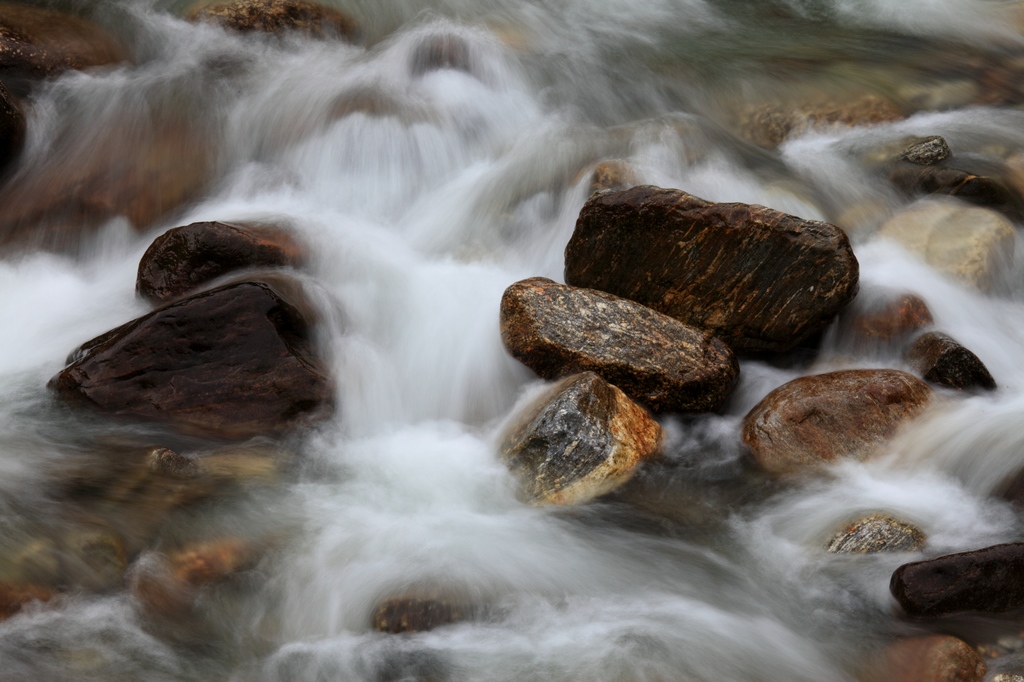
(420, 208)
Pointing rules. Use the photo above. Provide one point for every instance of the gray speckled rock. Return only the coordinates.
(927, 152)
(825, 417)
(876, 533)
(758, 279)
(656, 360)
(580, 439)
(943, 361)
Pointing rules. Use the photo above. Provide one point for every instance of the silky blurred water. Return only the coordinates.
(422, 196)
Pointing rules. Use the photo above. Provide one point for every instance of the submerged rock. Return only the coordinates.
(14, 597)
(980, 190)
(184, 258)
(932, 658)
(613, 175)
(233, 362)
(941, 360)
(927, 152)
(891, 318)
(826, 417)
(975, 245)
(876, 533)
(769, 125)
(989, 580)
(93, 558)
(277, 16)
(758, 279)
(656, 360)
(580, 439)
(37, 43)
(436, 52)
(396, 615)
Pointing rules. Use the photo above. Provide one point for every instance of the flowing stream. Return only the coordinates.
(423, 194)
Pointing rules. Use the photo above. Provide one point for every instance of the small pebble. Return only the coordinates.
(927, 152)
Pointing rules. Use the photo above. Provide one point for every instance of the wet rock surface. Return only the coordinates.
(233, 362)
(656, 360)
(758, 279)
(184, 258)
(989, 580)
(769, 125)
(277, 17)
(12, 128)
(438, 52)
(417, 613)
(875, 533)
(927, 152)
(580, 439)
(14, 597)
(975, 245)
(941, 360)
(36, 43)
(825, 417)
(931, 658)
(981, 190)
(889, 317)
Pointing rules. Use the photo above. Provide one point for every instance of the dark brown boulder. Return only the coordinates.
(579, 439)
(941, 360)
(892, 317)
(656, 360)
(37, 43)
(981, 190)
(12, 128)
(232, 362)
(758, 279)
(989, 580)
(276, 17)
(416, 614)
(826, 417)
(932, 658)
(184, 258)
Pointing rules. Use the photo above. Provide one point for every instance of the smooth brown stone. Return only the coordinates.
(580, 439)
(931, 658)
(893, 318)
(758, 279)
(37, 43)
(660, 362)
(827, 417)
(232, 362)
(276, 17)
(183, 259)
(979, 190)
(989, 580)
(12, 128)
(941, 360)
(14, 597)
(415, 614)
(876, 533)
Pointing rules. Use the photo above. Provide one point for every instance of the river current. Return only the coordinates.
(420, 208)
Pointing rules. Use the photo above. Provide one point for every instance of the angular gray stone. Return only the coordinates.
(875, 533)
(927, 152)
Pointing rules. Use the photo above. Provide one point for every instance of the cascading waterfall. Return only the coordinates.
(424, 193)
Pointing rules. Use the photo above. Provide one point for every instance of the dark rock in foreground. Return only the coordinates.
(181, 260)
(660, 362)
(231, 362)
(943, 361)
(876, 533)
(989, 580)
(927, 152)
(826, 417)
(580, 439)
(278, 16)
(758, 279)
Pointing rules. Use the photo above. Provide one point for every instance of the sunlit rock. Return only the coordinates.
(277, 17)
(931, 658)
(580, 439)
(975, 245)
(826, 417)
(927, 152)
(989, 580)
(235, 361)
(36, 43)
(941, 360)
(183, 259)
(758, 279)
(875, 533)
(656, 360)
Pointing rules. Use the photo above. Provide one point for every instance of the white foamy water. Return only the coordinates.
(422, 196)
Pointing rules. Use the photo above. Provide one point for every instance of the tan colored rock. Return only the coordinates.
(613, 175)
(975, 245)
(769, 125)
(758, 279)
(826, 417)
(37, 43)
(276, 17)
(557, 330)
(875, 533)
(931, 658)
(580, 439)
